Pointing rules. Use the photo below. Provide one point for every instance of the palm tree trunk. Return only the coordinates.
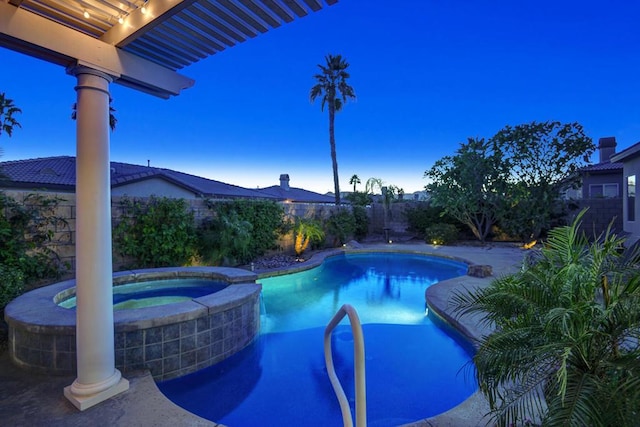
(334, 158)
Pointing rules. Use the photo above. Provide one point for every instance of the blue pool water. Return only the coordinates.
(414, 369)
(158, 292)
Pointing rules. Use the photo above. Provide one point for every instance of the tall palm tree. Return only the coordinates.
(355, 180)
(334, 91)
(7, 111)
(566, 348)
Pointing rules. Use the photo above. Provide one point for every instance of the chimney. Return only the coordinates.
(607, 148)
(284, 181)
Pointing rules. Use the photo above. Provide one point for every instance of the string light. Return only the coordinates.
(120, 20)
(86, 14)
(144, 8)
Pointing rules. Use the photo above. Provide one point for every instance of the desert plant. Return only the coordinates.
(306, 231)
(566, 346)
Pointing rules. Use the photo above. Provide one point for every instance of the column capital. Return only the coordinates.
(78, 69)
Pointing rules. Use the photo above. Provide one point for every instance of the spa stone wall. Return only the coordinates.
(170, 340)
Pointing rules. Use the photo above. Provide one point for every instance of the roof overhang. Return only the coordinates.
(630, 152)
(140, 43)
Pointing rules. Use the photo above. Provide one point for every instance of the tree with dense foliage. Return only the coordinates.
(544, 160)
(8, 110)
(470, 185)
(355, 180)
(334, 91)
(566, 343)
(515, 179)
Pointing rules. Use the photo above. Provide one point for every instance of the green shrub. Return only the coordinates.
(266, 219)
(157, 233)
(440, 234)
(359, 199)
(361, 222)
(225, 240)
(11, 284)
(423, 215)
(341, 225)
(26, 231)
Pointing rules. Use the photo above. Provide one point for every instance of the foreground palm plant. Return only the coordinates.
(566, 346)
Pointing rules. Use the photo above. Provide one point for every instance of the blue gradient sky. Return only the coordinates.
(427, 74)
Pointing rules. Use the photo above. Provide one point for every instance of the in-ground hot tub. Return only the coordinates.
(170, 340)
(152, 293)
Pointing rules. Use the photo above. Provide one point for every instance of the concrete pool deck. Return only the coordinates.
(29, 399)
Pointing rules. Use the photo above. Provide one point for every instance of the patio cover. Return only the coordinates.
(139, 44)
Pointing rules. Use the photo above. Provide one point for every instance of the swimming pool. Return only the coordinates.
(414, 368)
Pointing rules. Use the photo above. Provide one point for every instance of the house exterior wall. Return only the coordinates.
(600, 179)
(631, 225)
(601, 212)
(151, 187)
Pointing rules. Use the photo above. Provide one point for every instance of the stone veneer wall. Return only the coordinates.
(170, 340)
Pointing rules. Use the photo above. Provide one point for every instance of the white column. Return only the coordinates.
(98, 379)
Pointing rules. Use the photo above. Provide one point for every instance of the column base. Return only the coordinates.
(86, 402)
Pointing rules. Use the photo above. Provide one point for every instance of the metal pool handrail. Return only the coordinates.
(359, 371)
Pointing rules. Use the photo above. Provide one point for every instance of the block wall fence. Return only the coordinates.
(64, 237)
(601, 212)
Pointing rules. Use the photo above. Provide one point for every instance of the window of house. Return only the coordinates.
(631, 198)
(603, 190)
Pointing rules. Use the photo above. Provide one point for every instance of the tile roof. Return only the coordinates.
(297, 195)
(59, 173)
(603, 167)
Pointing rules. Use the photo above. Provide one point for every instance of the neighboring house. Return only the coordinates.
(284, 192)
(630, 159)
(59, 174)
(601, 192)
(603, 179)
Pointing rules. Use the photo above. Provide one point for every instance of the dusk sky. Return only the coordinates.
(428, 74)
